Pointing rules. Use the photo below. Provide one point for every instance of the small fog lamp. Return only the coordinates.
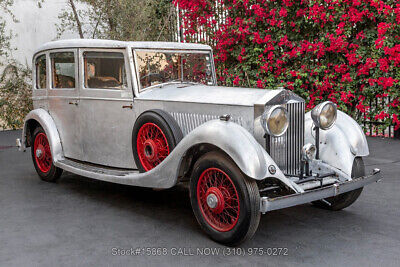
(308, 152)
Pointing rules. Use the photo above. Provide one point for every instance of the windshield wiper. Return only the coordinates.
(177, 80)
(181, 81)
(192, 83)
(189, 82)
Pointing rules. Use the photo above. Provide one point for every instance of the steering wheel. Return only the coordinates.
(150, 75)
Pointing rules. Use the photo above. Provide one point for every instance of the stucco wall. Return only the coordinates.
(35, 27)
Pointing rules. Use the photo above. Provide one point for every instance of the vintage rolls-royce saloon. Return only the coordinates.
(150, 114)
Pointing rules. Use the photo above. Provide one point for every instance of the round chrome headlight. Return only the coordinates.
(324, 115)
(275, 120)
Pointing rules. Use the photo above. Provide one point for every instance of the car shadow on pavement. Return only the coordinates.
(162, 206)
(289, 227)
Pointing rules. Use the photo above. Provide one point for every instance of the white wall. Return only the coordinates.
(35, 27)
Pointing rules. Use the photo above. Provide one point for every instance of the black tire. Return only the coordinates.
(170, 130)
(248, 215)
(48, 173)
(346, 199)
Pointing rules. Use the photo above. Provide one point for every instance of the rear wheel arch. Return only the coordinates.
(40, 118)
(166, 126)
(30, 126)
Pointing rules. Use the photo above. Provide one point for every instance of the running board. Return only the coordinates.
(96, 172)
(95, 169)
(155, 178)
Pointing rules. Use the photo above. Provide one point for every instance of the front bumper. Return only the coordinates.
(268, 204)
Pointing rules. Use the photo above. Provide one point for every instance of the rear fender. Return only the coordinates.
(43, 118)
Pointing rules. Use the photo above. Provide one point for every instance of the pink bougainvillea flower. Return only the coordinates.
(236, 80)
(344, 51)
(260, 83)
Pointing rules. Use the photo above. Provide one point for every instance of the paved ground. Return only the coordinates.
(80, 221)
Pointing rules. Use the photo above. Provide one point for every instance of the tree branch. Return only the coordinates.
(78, 22)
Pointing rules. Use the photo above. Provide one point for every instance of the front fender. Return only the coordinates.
(231, 138)
(340, 144)
(239, 144)
(42, 117)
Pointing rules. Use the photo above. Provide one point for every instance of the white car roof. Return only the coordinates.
(98, 43)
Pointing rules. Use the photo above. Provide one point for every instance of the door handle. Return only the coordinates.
(129, 106)
(73, 103)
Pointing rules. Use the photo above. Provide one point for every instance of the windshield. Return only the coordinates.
(157, 67)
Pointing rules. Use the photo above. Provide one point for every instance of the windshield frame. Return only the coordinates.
(186, 51)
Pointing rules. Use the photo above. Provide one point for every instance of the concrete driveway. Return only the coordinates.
(79, 221)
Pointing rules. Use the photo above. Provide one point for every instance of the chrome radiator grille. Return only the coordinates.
(286, 150)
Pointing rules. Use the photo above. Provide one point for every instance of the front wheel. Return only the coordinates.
(346, 199)
(42, 158)
(225, 202)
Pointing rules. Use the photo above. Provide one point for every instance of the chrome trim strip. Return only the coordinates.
(91, 98)
(106, 99)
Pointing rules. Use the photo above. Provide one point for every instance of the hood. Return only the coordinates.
(221, 95)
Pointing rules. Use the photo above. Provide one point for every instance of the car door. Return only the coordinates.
(106, 107)
(63, 99)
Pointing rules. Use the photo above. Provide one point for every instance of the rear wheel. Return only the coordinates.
(344, 200)
(42, 158)
(225, 202)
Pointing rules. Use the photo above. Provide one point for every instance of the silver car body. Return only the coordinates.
(90, 131)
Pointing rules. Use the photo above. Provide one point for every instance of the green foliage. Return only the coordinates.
(15, 95)
(139, 20)
(15, 80)
(4, 36)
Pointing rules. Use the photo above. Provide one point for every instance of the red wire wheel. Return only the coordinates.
(152, 145)
(225, 202)
(42, 153)
(218, 199)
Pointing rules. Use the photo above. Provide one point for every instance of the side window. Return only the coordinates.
(104, 70)
(63, 70)
(41, 75)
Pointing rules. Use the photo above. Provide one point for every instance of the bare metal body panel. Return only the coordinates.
(106, 121)
(340, 144)
(46, 121)
(250, 157)
(91, 43)
(90, 130)
(203, 94)
(107, 135)
(198, 114)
